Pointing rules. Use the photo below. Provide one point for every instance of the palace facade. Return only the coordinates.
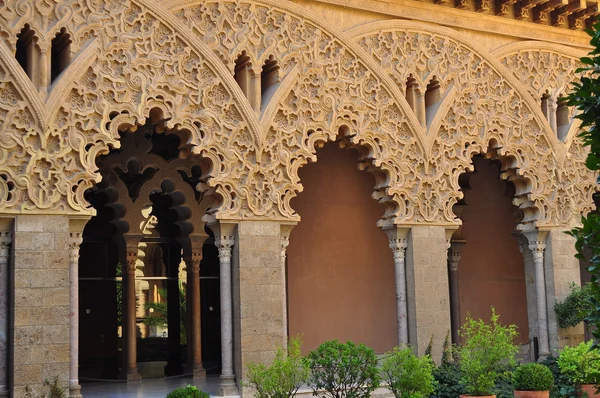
(184, 184)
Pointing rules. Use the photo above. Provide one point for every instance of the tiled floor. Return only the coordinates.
(154, 388)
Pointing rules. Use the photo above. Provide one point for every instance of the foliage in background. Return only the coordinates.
(188, 392)
(576, 307)
(341, 370)
(488, 349)
(286, 374)
(563, 387)
(429, 347)
(580, 364)
(158, 315)
(586, 98)
(533, 377)
(49, 390)
(407, 375)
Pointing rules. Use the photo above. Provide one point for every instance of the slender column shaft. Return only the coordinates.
(74, 244)
(285, 241)
(225, 244)
(130, 370)
(454, 259)
(5, 242)
(537, 249)
(398, 247)
(194, 320)
(172, 260)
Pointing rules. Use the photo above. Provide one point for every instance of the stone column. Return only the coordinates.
(44, 66)
(453, 260)
(537, 245)
(172, 258)
(427, 286)
(398, 242)
(562, 268)
(192, 260)
(128, 261)
(284, 239)
(74, 244)
(5, 244)
(224, 240)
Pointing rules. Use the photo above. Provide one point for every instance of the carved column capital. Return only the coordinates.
(75, 240)
(536, 241)
(454, 255)
(5, 242)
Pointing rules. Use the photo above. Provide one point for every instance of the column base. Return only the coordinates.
(198, 373)
(74, 390)
(227, 386)
(131, 375)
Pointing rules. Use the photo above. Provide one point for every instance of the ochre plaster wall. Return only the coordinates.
(340, 268)
(491, 269)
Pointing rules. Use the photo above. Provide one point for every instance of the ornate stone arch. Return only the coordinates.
(336, 84)
(129, 70)
(489, 104)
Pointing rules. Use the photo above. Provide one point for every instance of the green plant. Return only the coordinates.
(575, 308)
(158, 313)
(284, 376)
(407, 375)
(580, 364)
(448, 380)
(487, 350)
(586, 98)
(563, 387)
(341, 370)
(533, 377)
(49, 390)
(188, 392)
(429, 347)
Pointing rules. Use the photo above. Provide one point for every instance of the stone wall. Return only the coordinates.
(40, 349)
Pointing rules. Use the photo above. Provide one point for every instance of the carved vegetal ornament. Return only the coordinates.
(130, 57)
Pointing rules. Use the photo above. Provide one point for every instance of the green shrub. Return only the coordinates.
(343, 370)
(575, 307)
(407, 375)
(487, 351)
(580, 364)
(533, 377)
(187, 392)
(284, 376)
(448, 380)
(563, 386)
(49, 390)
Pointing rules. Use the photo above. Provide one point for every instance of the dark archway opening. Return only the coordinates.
(147, 191)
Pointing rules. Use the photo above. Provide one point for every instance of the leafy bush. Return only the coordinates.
(580, 364)
(49, 390)
(575, 307)
(187, 392)
(284, 376)
(448, 380)
(407, 375)
(343, 370)
(487, 350)
(563, 387)
(533, 377)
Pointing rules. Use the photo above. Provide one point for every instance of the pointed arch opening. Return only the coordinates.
(339, 264)
(563, 118)
(27, 53)
(243, 74)
(269, 80)
(60, 54)
(433, 98)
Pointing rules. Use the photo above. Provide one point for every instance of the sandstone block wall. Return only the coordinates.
(40, 334)
(257, 294)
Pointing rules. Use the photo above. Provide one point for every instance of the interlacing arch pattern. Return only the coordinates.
(133, 56)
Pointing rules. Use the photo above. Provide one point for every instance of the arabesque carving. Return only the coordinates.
(130, 57)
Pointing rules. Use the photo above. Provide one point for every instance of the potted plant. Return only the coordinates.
(487, 351)
(406, 375)
(532, 380)
(581, 365)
